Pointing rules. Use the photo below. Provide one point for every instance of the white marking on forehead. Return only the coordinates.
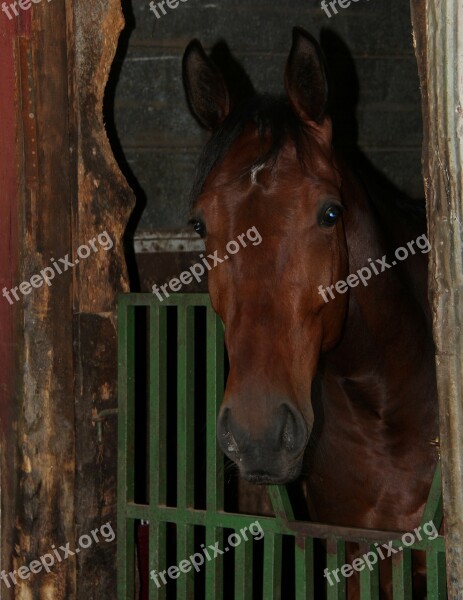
(254, 172)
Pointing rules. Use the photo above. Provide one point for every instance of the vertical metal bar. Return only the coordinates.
(215, 388)
(157, 559)
(335, 558)
(281, 502)
(272, 566)
(185, 407)
(304, 571)
(185, 442)
(436, 576)
(243, 569)
(433, 510)
(157, 405)
(185, 549)
(369, 579)
(281, 505)
(125, 467)
(402, 575)
(157, 446)
(214, 567)
(214, 458)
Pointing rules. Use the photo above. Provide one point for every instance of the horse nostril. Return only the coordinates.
(287, 435)
(226, 438)
(294, 432)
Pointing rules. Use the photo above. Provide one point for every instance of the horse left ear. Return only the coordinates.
(305, 78)
(205, 87)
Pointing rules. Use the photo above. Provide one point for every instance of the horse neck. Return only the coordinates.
(386, 339)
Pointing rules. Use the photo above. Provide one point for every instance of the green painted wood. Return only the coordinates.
(369, 580)
(243, 569)
(437, 584)
(434, 510)
(125, 485)
(185, 442)
(304, 568)
(157, 560)
(186, 516)
(185, 406)
(214, 457)
(215, 389)
(402, 575)
(281, 503)
(157, 405)
(335, 559)
(294, 528)
(214, 567)
(272, 566)
(157, 447)
(185, 549)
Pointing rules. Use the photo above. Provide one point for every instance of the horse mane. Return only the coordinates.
(386, 199)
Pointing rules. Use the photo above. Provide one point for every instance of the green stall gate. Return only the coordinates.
(188, 515)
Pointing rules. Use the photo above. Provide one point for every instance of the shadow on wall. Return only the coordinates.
(343, 101)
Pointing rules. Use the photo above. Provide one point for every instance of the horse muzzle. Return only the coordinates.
(272, 455)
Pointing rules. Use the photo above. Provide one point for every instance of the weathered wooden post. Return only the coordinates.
(61, 187)
(439, 50)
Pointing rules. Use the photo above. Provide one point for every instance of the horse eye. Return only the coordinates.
(330, 215)
(199, 227)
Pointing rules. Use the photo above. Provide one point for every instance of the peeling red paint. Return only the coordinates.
(9, 226)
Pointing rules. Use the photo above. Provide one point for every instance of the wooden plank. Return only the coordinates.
(439, 48)
(45, 476)
(10, 244)
(101, 202)
(215, 386)
(66, 357)
(185, 407)
(243, 568)
(369, 578)
(335, 559)
(272, 572)
(214, 567)
(304, 571)
(402, 575)
(435, 571)
(126, 468)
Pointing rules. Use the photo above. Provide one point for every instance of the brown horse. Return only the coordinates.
(362, 445)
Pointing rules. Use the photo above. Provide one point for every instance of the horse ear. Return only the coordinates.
(205, 88)
(305, 78)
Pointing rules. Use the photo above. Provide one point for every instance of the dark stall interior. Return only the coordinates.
(375, 104)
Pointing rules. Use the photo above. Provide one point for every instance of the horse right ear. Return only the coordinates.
(305, 79)
(205, 88)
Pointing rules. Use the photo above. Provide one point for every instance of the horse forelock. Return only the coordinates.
(275, 123)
